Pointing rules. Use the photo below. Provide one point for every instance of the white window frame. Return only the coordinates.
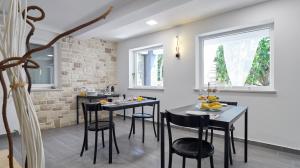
(199, 57)
(56, 68)
(133, 67)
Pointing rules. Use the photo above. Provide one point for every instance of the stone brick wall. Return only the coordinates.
(90, 63)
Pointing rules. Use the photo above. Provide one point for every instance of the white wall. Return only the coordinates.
(273, 118)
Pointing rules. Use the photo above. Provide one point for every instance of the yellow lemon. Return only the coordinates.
(205, 106)
(103, 101)
(140, 98)
(201, 97)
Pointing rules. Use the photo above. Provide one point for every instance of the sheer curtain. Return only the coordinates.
(239, 53)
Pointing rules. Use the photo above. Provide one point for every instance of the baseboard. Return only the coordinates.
(13, 134)
(251, 142)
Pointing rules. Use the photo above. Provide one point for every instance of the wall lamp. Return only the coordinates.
(177, 47)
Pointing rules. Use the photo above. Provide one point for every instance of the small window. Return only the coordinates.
(238, 59)
(45, 75)
(146, 67)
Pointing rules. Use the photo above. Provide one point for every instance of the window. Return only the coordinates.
(45, 75)
(240, 59)
(146, 67)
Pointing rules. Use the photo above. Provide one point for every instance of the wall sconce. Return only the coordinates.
(177, 47)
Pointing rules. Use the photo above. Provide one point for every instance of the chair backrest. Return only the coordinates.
(230, 103)
(188, 121)
(198, 122)
(150, 98)
(89, 107)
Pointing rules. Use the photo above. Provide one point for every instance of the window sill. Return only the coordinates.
(243, 91)
(147, 88)
(45, 90)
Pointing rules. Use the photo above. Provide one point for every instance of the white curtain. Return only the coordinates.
(239, 52)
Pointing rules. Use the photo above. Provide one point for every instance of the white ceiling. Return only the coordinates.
(129, 16)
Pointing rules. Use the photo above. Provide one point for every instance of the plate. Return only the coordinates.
(196, 113)
(224, 104)
(211, 110)
(199, 113)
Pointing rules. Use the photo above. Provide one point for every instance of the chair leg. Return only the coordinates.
(170, 159)
(230, 154)
(86, 139)
(95, 150)
(232, 142)
(143, 124)
(131, 128)
(133, 125)
(199, 163)
(211, 136)
(115, 140)
(154, 127)
(103, 144)
(183, 162)
(124, 118)
(211, 159)
(206, 135)
(83, 145)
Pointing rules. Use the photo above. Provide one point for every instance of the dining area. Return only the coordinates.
(202, 118)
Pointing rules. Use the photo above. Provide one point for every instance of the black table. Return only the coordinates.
(226, 119)
(90, 98)
(127, 105)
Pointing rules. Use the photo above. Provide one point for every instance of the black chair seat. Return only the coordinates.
(102, 125)
(142, 115)
(188, 147)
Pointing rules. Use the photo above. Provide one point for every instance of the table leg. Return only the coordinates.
(110, 136)
(162, 142)
(77, 110)
(246, 137)
(158, 113)
(133, 121)
(226, 147)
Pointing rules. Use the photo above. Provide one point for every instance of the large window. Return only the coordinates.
(240, 59)
(146, 67)
(45, 75)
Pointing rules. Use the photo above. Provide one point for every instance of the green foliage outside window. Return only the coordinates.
(260, 69)
(222, 74)
(159, 67)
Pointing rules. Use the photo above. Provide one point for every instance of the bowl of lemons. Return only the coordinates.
(211, 106)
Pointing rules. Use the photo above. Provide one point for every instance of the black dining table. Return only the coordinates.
(225, 119)
(127, 105)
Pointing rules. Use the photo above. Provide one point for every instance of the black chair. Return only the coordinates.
(142, 116)
(194, 148)
(232, 128)
(95, 126)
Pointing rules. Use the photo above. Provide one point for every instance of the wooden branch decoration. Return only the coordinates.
(27, 63)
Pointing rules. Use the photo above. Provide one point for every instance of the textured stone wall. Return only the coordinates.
(90, 63)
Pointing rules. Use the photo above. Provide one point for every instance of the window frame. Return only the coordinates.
(56, 68)
(133, 67)
(199, 59)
